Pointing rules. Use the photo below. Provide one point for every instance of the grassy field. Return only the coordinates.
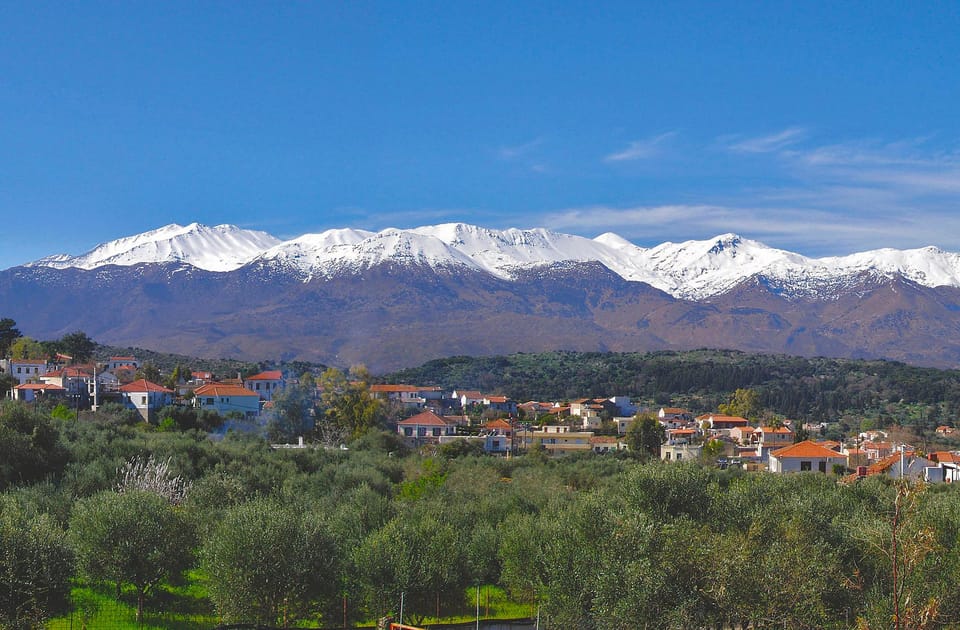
(187, 608)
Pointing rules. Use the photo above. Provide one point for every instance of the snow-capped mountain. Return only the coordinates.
(396, 298)
(218, 248)
(695, 269)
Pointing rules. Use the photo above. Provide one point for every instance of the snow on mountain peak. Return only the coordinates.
(218, 248)
(694, 269)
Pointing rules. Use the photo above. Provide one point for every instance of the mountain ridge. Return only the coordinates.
(693, 269)
(397, 298)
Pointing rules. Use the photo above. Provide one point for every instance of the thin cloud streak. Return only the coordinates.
(641, 149)
(806, 231)
(512, 152)
(769, 143)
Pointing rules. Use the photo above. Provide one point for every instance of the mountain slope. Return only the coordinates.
(694, 270)
(219, 248)
(396, 298)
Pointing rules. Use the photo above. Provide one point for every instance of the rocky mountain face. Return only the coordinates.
(397, 298)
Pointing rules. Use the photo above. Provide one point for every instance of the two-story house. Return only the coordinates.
(425, 427)
(146, 398)
(265, 384)
(227, 400)
(27, 370)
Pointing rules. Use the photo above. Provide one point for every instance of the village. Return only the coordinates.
(494, 424)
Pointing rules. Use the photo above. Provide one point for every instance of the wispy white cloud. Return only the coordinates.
(806, 230)
(519, 150)
(765, 144)
(641, 149)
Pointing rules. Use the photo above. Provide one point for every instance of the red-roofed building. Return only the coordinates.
(425, 427)
(877, 450)
(227, 399)
(77, 381)
(467, 397)
(265, 384)
(146, 397)
(117, 362)
(805, 456)
(29, 392)
(719, 422)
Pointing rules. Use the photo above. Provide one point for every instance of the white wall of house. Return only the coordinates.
(805, 464)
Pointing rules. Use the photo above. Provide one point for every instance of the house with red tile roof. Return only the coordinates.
(265, 384)
(118, 362)
(719, 422)
(146, 398)
(227, 399)
(805, 456)
(77, 380)
(877, 450)
(425, 427)
(28, 392)
(465, 398)
(900, 465)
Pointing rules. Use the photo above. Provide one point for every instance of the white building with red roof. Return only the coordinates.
(77, 380)
(146, 397)
(265, 384)
(28, 392)
(119, 362)
(227, 400)
(425, 427)
(805, 456)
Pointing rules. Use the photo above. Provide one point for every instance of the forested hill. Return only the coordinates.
(796, 387)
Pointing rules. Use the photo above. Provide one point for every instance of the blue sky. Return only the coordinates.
(825, 128)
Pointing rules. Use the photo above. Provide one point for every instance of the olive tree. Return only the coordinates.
(35, 567)
(135, 537)
(269, 563)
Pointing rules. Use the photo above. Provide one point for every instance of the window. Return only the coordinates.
(407, 431)
(805, 466)
(436, 432)
(143, 400)
(822, 466)
(421, 431)
(209, 401)
(679, 456)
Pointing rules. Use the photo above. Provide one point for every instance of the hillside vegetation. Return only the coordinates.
(808, 389)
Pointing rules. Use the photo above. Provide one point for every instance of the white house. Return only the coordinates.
(146, 397)
(407, 395)
(227, 399)
(27, 370)
(28, 392)
(265, 384)
(805, 456)
(119, 362)
(425, 427)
